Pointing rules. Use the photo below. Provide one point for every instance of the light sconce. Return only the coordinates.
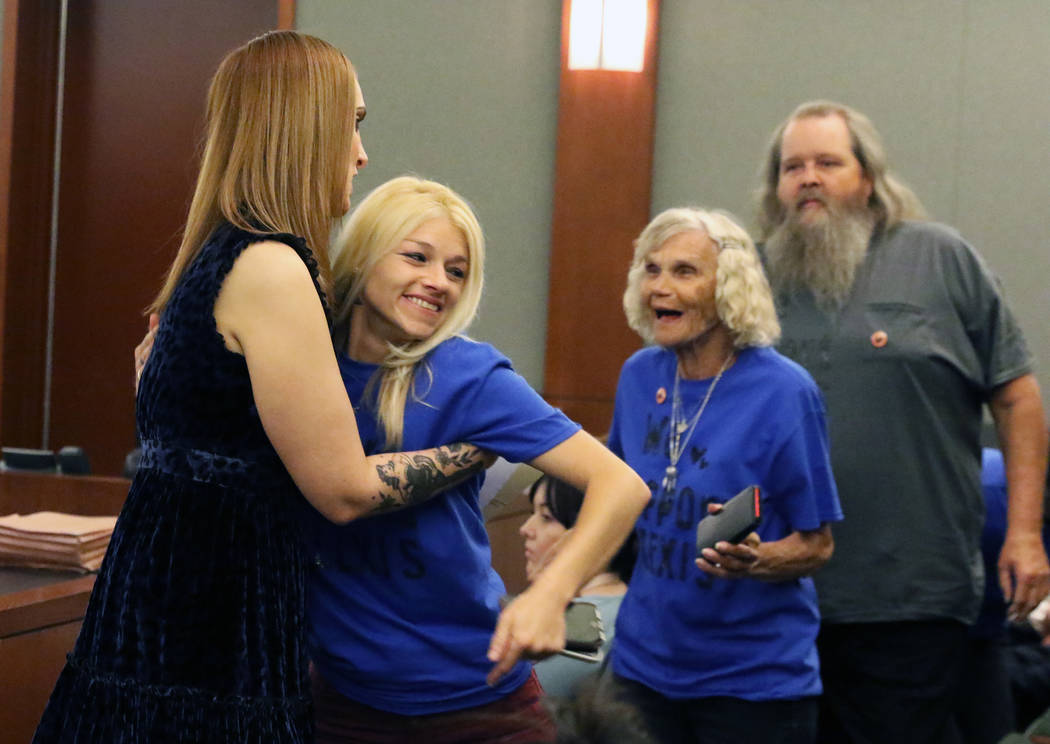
(607, 35)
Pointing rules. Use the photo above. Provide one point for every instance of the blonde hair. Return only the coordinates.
(377, 226)
(279, 130)
(891, 200)
(743, 298)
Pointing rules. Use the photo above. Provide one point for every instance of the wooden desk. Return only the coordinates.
(41, 611)
(92, 496)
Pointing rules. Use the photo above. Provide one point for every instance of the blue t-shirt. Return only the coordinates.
(991, 621)
(680, 632)
(402, 607)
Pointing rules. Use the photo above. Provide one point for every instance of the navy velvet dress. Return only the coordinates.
(195, 628)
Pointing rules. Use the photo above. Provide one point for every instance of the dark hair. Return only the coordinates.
(564, 502)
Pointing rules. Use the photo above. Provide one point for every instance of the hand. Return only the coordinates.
(1024, 574)
(142, 351)
(531, 626)
(727, 560)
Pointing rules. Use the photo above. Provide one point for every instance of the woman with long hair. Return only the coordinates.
(402, 607)
(195, 631)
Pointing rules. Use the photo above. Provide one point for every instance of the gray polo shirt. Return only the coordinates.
(905, 367)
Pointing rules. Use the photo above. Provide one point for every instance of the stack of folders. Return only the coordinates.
(54, 540)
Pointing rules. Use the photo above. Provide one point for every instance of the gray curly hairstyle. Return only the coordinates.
(743, 298)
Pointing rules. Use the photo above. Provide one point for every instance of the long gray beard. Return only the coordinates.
(822, 257)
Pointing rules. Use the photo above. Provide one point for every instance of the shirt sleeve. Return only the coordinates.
(801, 471)
(987, 319)
(503, 414)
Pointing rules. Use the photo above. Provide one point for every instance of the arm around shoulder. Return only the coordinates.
(269, 311)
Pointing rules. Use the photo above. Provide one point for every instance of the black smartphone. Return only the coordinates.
(584, 632)
(738, 518)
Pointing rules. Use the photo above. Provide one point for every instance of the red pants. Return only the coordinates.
(519, 718)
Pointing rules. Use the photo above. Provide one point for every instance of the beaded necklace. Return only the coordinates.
(675, 441)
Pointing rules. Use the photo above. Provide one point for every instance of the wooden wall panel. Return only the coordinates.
(41, 611)
(601, 202)
(136, 81)
(29, 95)
(31, 663)
(90, 495)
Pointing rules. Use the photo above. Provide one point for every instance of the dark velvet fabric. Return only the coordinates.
(195, 628)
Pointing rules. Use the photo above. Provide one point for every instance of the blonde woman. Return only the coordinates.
(195, 631)
(406, 631)
(720, 648)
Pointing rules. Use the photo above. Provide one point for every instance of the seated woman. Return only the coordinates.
(720, 648)
(555, 506)
(401, 607)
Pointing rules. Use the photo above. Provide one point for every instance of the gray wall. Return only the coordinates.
(465, 91)
(958, 89)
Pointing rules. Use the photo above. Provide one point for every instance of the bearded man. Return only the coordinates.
(908, 334)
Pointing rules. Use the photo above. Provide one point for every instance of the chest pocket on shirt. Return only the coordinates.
(896, 329)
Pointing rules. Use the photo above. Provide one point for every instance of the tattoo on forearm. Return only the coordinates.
(451, 454)
(412, 479)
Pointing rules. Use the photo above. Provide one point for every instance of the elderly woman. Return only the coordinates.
(720, 648)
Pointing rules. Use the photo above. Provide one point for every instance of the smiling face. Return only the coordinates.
(411, 290)
(817, 166)
(678, 289)
(541, 530)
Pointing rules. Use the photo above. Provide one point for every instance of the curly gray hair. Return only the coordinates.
(743, 298)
